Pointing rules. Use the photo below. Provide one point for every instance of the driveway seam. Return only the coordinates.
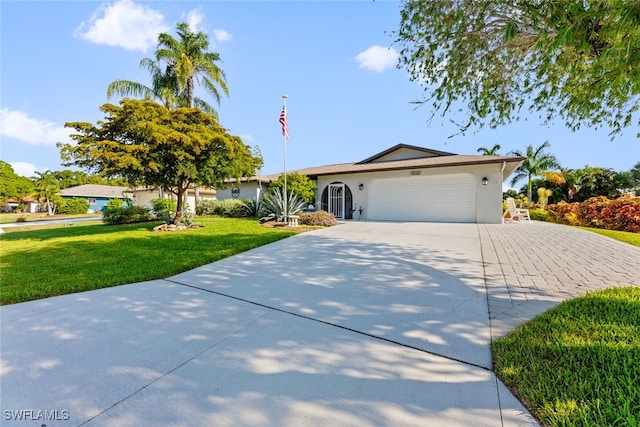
(484, 368)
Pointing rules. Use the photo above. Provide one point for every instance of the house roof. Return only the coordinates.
(95, 190)
(417, 152)
(402, 156)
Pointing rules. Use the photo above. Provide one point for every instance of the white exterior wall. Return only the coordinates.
(248, 191)
(488, 197)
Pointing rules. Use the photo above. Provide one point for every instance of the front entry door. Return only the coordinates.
(336, 200)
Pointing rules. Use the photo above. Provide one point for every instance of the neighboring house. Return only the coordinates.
(28, 204)
(405, 183)
(99, 195)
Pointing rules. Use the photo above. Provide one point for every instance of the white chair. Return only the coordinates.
(513, 213)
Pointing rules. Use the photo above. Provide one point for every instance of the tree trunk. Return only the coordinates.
(179, 204)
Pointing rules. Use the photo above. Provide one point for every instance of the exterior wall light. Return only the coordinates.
(361, 186)
(485, 181)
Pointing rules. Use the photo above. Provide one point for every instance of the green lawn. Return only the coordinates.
(43, 263)
(578, 364)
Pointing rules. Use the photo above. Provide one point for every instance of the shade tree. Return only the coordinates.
(148, 144)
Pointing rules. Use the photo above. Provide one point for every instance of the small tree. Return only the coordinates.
(148, 144)
(297, 184)
(543, 196)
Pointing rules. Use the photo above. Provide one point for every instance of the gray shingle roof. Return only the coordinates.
(95, 190)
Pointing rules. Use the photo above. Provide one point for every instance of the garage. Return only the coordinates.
(445, 198)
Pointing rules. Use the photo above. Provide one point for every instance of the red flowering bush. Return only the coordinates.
(622, 214)
(590, 211)
(564, 213)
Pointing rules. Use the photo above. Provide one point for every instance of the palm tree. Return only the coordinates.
(536, 162)
(47, 187)
(173, 83)
(189, 59)
(164, 86)
(493, 151)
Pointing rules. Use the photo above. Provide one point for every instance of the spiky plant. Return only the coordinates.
(272, 207)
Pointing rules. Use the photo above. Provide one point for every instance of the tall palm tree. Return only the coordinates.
(493, 151)
(537, 161)
(164, 86)
(173, 71)
(191, 61)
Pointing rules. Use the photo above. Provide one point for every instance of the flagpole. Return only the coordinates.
(286, 211)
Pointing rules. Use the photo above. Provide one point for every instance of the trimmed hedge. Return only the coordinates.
(126, 215)
(318, 218)
(621, 214)
(75, 206)
(230, 208)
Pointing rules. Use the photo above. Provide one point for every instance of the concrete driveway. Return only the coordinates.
(356, 325)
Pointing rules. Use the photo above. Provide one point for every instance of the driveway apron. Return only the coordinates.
(361, 324)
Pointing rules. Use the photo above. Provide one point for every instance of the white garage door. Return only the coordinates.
(442, 198)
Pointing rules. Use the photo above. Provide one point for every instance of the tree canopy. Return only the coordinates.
(577, 61)
(12, 185)
(297, 184)
(147, 144)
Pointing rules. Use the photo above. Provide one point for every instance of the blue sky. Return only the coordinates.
(333, 59)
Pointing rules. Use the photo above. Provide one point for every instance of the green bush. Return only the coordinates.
(229, 208)
(540, 215)
(318, 218)
(251, 208)
(113, 204)
(75, 206)
(126, 215)
(164, 209)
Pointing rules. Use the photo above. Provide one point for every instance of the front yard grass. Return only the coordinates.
(44, 263)
(578, 364)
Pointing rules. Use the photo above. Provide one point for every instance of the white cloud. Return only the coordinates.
(18, 125)
(25, 168)
(377, 58)
(123, 24)
(194, 18)
(221, 35)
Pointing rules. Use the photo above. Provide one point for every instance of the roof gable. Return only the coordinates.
(403, 152)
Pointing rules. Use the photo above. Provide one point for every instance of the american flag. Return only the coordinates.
(283, 122)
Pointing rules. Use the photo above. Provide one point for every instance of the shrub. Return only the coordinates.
(230, 208)
(5, 208)
(113, 204)
(126, 215)
(590, 211)
(272, 207)
(318, 218)
(251, 208)
(540, 215)
(164, 209)
(75, 206)
(564, 213)
(622, 214)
